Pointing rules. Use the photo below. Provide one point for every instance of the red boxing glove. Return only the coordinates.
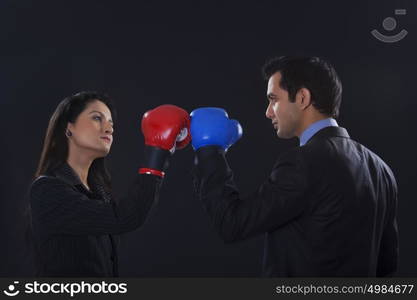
(166, 127)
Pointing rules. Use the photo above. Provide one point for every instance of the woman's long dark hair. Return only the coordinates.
(55, 146)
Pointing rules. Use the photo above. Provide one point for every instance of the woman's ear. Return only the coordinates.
(68, 131)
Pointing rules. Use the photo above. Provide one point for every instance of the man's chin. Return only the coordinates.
(283, 135)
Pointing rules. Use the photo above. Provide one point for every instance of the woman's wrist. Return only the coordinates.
(155, 161)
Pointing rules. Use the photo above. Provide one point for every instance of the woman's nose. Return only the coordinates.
(109, 128)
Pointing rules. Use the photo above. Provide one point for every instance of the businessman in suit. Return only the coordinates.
(329, 206)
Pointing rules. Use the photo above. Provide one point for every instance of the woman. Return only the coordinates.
(75, 219)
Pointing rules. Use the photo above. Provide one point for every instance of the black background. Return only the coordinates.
(196, 54)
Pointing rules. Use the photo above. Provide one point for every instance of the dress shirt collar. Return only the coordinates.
(314, 128)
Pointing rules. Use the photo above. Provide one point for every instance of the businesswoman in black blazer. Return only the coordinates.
(75, 219)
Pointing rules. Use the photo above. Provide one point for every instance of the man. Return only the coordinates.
(328, 207)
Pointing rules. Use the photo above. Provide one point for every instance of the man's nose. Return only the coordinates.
(268, 112)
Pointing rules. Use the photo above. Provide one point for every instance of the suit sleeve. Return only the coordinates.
(57, 208)
(280, 199)
(389, 249)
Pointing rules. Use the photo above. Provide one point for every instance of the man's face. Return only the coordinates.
(285, 115)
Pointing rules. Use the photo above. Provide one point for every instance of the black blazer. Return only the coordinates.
(76, 230)
(328, 208)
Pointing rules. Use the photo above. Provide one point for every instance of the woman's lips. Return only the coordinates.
(107, 139)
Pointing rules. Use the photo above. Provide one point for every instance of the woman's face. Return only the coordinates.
(92, 131)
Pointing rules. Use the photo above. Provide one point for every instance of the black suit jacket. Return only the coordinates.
(328, 208)
(76, 230)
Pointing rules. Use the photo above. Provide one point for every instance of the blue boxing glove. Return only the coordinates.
(211, 126)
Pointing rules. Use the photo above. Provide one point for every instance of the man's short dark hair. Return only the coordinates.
(312, 73)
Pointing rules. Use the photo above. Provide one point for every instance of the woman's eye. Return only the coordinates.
(97, 118)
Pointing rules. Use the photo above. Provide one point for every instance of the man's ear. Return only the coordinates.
(303, 98)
